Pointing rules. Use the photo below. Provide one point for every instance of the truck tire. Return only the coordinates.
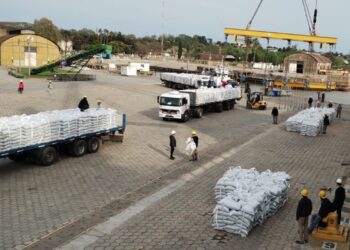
(78, 148)
(232, 104)
(93, 145)
(226, 105)
(218, 107)
(199, 113)
(185, 117)
(46, 156)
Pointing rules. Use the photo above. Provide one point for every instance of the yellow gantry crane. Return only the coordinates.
(311, 39)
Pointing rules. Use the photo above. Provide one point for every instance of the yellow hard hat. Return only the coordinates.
(304, 192)
(84, 96)
(99, 101)
(322, 194)
(194, 132)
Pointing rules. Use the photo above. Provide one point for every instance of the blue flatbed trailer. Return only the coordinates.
(46, 153)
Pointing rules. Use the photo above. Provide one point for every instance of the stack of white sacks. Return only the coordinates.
(245, 198)
(208, 95)
(185, 79)
(27, 130)
(309, 122)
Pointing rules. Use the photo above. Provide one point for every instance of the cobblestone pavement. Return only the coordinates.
(37, 201)
(182, 220)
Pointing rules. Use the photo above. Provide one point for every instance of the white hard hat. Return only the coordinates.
(173, 132)
(339, 181)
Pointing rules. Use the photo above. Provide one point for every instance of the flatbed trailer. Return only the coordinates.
(45, 154)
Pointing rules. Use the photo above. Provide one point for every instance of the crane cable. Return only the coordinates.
(255, 12)
(307, 15)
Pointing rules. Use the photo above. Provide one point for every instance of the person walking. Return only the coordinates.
(83, 104)
(325, 123)
(172, 140)
(310, 101)
(304, 210)
(274, 114)
(339, 199)
(196, 141)
(20, 87)
(190, 147)
(339, 108)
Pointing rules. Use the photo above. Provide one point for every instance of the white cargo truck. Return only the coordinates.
(184, 104)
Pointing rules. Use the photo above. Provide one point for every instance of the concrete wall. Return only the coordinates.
(13, 54)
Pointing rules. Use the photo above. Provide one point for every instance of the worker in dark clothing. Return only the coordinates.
(326, 208)
(339, 108)
(310, 101)
(172, 144)
(323, 97)
(274, 114)
(339, 199)
(304, 210)
(325, 123)
(196, 141)
(257, 99)
(83, 104)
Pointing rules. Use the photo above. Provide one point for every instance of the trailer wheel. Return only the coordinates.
(47, 156)
(232, 104)
(218, 107)
(93, 145)
(226, 105)
(78, 148)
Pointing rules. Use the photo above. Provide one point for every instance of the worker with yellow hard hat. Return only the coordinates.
(325, 208)
(304, 210)
(195, 138)
(99, 104)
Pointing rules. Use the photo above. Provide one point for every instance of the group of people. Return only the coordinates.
(84, 104)
(318, 219)
(191, 145)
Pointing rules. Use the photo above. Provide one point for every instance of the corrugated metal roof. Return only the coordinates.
(318, 57)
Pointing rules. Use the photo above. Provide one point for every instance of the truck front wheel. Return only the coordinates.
(226, 105)
(185, 117)
(93, 145)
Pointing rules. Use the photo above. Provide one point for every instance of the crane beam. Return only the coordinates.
(280, 36)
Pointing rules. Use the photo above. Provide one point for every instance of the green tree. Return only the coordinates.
(44, 27)
(120, 47)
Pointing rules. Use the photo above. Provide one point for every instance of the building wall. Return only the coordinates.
(28, 51)
(311, 65)
(3, 32)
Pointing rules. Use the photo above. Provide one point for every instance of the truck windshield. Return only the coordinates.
(168, 101)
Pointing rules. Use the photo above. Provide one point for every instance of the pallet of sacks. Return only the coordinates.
(27, 130)
(309, 122)
(246, 197)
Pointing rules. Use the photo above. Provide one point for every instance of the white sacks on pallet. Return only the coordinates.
(26, 130)
(205, 95)
(309, 122)
(245, 198)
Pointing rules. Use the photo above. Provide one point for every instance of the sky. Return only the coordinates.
(207, 18)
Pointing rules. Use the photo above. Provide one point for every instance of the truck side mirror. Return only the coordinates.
(158, 99)
(184, 101)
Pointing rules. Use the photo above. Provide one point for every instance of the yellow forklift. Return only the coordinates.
(255, 100)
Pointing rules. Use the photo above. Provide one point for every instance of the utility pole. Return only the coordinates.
(162, 38)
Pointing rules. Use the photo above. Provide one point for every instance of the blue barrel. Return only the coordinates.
(275, 93)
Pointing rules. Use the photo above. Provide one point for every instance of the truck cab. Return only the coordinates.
(174, 105)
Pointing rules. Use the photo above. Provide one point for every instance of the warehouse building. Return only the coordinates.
(24, 48)
(306, 63)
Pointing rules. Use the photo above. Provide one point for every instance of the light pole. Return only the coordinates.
(19, 56)
(29, 38)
